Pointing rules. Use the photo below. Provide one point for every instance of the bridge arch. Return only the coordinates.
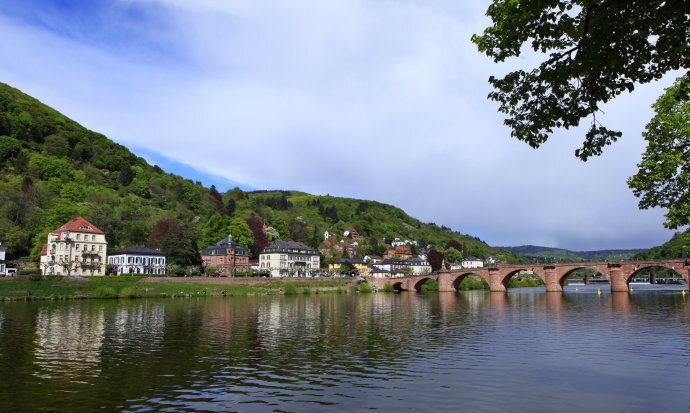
(506, 279)
(462, 275)
(647, 266)
(595, 269)
(418, 285)
(398, 286)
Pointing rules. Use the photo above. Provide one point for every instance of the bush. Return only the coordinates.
(388, 288)
(53, 277)
(306, 290)
(105, 292)
(129, 292)
(363, 288)
(473, 284)
(178, 272)
(290, 289)
(429, 286)
(340, 291)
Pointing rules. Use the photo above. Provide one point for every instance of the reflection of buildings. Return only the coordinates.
(69, 340)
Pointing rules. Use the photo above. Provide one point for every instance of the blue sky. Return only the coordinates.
(381, 100)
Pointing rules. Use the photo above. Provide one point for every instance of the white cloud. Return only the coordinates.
(382, 100)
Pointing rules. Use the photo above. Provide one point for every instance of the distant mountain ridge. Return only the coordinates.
(560, 254)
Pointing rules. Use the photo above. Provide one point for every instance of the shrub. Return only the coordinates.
(290, 289)
(340, 291)
(388, 288)
(473, 284)
(129, 292)
(105, 292)
(363, 288)
(178, 272)
(306, 290)
(429, 286)
(53, 277)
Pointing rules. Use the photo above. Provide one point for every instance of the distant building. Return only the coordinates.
(137, 260)
(289, 259)
(75, 248)
(472, 262)
(226, 256)
(360, 265)
(400, 252)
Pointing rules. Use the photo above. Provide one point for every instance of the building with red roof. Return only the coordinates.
(75, 248)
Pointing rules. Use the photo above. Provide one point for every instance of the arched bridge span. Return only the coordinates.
(618, 273)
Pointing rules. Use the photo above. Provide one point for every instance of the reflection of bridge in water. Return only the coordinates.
(618, 274)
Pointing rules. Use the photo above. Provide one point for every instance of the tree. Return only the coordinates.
(241, 233)
(435, 259)
(260, 239)
(597, 49)
(214, 230)
(282, 227)
(230, 208)
(663, 178)
(452, 255)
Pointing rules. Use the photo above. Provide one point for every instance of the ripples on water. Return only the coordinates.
(476, 351)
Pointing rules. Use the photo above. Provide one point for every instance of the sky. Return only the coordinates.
(381, 100)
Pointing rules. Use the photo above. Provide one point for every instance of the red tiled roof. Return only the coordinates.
(44, 250)
(79, 224)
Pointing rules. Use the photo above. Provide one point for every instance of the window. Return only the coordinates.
(100, 248)
(77, 247)
(78, 236)
(93, 248)
(93, 238)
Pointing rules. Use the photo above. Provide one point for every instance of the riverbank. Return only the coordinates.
(136, 287)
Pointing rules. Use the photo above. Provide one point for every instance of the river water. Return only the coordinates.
(526, 350)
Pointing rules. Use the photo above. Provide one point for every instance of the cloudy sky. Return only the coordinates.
(371, 99)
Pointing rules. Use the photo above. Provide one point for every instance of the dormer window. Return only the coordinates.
(86, 227)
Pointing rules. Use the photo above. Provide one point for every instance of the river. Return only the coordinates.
(526, 350)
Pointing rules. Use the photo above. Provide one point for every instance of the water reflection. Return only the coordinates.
(484, 351)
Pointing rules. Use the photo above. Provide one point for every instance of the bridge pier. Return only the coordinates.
(652, 278)
(619, 282)
(586, 279)
(553, 280)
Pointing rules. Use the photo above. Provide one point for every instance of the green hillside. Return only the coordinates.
(537, 253)
(677, 247)
(52, 168)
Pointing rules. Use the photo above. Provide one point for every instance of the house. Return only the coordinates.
(372, 258)
(327, 235)
(399, 252)
(472, 262)
(3, 264)
(360, 265)
(75, 248)
(352, 233)
(137, 260)
(490, 259)
(419, 266)
(289, 259)
(226, 256)
(423, 253)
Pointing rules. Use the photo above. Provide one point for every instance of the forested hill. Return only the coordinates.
(562, 255)
(52, 168)
(677, 247)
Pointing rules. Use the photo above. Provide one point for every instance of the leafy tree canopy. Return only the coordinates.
(663, 178)
(596, 50)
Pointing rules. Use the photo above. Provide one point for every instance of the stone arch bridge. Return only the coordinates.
(618, 273)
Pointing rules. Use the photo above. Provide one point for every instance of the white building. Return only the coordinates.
(472, 262)
(327, 235)
(76, 248)
(137, 260)
(289, 259)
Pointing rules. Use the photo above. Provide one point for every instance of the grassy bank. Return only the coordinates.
(133, 287)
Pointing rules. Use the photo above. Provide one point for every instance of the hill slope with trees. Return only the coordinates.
(52, 168)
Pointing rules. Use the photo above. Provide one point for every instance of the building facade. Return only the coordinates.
(289, 259)
(137, 260)
(472, 262)
(75, 248)
(227, 257)
(360, 265)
